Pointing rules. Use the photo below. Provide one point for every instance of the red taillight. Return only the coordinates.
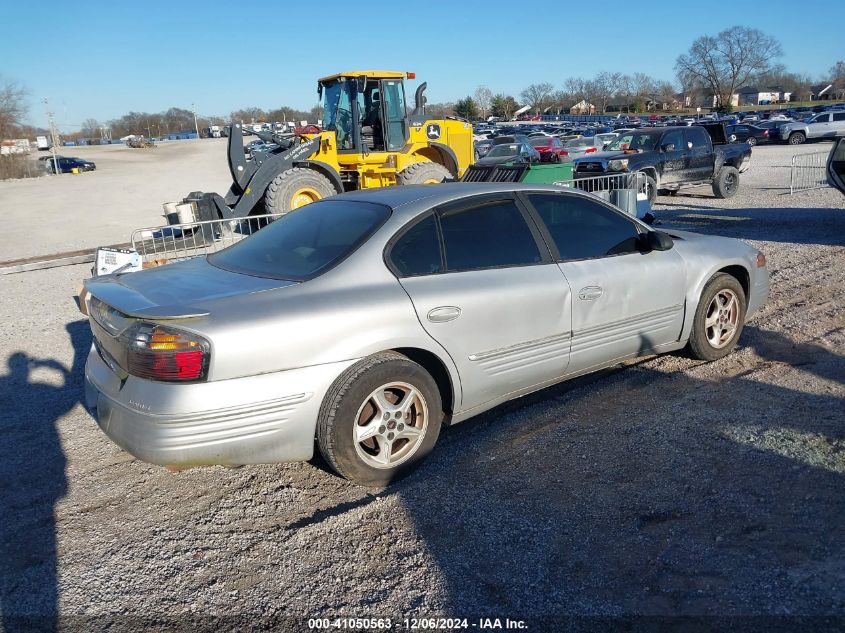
(564, 154)
(590, 150)
(761, 259)
(159, 352)
(765, 132)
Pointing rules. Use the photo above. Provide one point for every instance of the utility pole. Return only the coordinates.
(54, 137)
(196, 127)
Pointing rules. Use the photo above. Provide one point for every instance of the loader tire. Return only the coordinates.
(295, 188)
(425, 173)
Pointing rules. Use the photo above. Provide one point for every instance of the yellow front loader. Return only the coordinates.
(368, 139)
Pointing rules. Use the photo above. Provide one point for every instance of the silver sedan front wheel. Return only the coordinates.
(718, 318)
(722, 318)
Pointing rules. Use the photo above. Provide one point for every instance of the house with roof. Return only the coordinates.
(752, 95)
(821, 92)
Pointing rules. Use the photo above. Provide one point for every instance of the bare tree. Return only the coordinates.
(728, 61)
(537, 95)
(482, 98)
(12, 107)
(559, 100)
(837, 78)
(90, 128)
(577, 89)
(600, 90)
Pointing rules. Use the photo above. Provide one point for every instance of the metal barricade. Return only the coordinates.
(177, 242)
(624, 190)
(807, 172)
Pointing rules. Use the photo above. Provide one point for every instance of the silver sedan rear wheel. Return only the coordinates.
(390, 425)
(379, 419)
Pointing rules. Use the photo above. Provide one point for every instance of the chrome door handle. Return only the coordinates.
(590, 293)
(443, 314)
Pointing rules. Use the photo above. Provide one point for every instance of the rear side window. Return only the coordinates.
(584, 229)
(490, 235)
(417, 252)
(306, 242)
(839, 116)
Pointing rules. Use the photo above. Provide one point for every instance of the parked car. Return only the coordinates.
(671, 158)
(371, 319)
(822, 125)
(502, 153)
(550, 147)
(68, 164)
(483, 146)
(578, 147)
(750, 134)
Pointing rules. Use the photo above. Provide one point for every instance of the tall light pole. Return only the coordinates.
(196, 126)
(54, 137)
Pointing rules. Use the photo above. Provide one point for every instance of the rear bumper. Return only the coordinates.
(254, 420)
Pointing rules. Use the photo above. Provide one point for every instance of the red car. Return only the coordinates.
(550, 147)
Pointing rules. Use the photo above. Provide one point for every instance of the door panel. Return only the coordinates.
(505, 329)
(624, 305)
(675, 162)
(700, 154)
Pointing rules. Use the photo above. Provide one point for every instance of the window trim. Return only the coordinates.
(552, 245)
(457, 206)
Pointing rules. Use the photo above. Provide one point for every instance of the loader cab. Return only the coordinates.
(366, 112)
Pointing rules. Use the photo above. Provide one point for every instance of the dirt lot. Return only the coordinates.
(55, 214)
(666, 487)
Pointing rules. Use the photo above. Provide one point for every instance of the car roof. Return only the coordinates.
(409, 198)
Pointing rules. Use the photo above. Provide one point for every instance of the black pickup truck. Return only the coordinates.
(671, 158)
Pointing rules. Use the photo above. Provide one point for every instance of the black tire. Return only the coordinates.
(650, 188)
(751, 141)
(339, 415)
(422, 174)
(796, 138)
(699, 345)
(285, 192)
(726, 183)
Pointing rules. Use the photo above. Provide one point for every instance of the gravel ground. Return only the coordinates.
(664, 487)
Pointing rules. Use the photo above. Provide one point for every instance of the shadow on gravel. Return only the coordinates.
(821, 226)
(643, 492)
(32, 480)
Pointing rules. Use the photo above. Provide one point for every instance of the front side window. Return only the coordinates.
(675, 138)
(582, 228)
(337, 113)
(304, 243)
(490, 235)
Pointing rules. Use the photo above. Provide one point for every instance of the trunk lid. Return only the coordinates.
(175, 291)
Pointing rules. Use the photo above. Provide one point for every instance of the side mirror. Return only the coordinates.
(656, 241)
(668, 147)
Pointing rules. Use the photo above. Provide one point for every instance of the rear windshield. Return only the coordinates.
(305, 242)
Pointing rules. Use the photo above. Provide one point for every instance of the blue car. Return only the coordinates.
(68, 165)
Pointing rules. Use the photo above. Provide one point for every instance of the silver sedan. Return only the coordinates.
(363, 323)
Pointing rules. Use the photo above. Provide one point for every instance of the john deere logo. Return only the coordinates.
(432, 131)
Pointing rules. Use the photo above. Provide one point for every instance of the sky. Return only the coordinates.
(101, 59)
